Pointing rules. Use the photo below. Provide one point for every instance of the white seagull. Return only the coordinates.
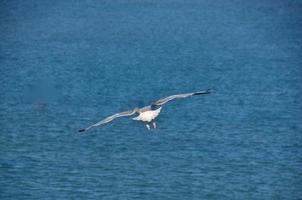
(148, 113)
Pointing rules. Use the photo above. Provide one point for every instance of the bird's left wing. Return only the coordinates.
(110, 118)
(169, 98)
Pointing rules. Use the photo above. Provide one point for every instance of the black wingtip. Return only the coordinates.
(82, 130)
(208, 91)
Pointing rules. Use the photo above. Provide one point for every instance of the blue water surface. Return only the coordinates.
(67, 64)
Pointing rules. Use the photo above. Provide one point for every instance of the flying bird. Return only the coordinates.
(148, 113)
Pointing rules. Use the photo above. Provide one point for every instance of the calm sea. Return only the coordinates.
(67, 64)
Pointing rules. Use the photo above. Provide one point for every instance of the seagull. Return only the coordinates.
(147, 113)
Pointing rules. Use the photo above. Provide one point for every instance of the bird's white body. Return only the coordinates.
(148, 116)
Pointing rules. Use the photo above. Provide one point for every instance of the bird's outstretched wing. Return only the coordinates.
(169, 98)
(110, 118)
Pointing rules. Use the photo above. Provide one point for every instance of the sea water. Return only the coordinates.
(67, 64)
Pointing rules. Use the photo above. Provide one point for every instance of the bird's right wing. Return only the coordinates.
(110, 118)
(169, 98)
